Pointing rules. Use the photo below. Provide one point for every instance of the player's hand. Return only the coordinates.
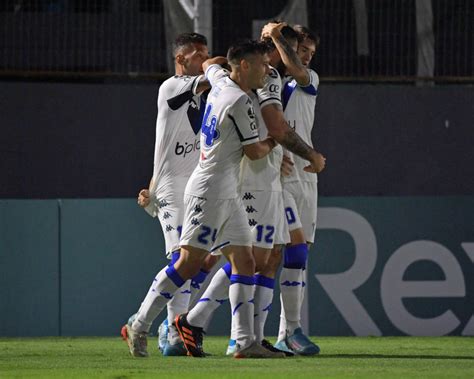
(221, 61)
(286, 166)
(317, 164)
(144, 198)
(272, 29)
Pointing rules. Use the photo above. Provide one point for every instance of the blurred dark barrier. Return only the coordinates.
(97, 141)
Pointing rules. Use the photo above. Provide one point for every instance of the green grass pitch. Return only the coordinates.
(341, 357)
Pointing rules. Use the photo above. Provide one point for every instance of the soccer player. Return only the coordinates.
(300, 193)
(214, 215)
(178, 123)
(262, 196)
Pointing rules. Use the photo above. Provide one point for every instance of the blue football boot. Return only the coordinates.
(163, 331)
(177, 350)
(300, 344)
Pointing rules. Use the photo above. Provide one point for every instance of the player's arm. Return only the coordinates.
(279, 129)
(144, 196)
(259, 149)
(203, 83)
(221, 61)
(289, 57)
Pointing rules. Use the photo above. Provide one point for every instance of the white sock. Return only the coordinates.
(216, 293)
(242, 308)
(161, 291)
(282, 325)
(291, 290)
(263, 302)
(196, 284)
(177, 305)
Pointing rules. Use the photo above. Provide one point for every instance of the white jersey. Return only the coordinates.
(299, 104)
(228, 124)
(264, 174)
(177, 140)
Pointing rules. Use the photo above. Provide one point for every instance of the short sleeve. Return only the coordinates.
(312, 87)
(214, 73)
(271, 92)
(243, 117)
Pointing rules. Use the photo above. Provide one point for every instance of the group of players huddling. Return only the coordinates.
(246, 189)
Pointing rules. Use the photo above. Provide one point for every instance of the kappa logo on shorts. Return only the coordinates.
(252, 222)
(169, 228)
(250, 209)
(197, 209)
(166, 215)
(194, 221)
(248, 196)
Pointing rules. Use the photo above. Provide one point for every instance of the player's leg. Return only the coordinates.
(164, 286)
(216, 293)
(198, 280)
(241, 295)
(301, 222)
(264, 286)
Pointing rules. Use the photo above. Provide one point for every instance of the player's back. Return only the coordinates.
(177, 133)
(228, 124)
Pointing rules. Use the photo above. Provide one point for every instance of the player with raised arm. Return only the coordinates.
(178, 124)
(299, 93)
(214, 215)
(262, 196)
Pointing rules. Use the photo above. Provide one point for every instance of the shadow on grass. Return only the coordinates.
(388, 356)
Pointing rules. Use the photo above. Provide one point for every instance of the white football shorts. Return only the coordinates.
(301, 207)
(266, 216)
(212, 224)
(171, 213)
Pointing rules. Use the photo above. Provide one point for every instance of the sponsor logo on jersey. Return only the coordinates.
(275, 88)
(187, 148)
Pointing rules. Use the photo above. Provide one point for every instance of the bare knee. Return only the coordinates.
(209, 262)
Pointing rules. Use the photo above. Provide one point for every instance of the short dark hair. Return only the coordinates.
(243, 48)
(306, 33)
(184, 39)
(287, 32)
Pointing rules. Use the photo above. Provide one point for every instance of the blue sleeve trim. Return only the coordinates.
(310, 90)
